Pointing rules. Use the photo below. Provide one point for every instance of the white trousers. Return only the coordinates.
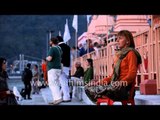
(64, 83)
(54, 84)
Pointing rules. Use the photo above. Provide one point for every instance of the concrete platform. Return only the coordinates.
(146, 99)
(139, 99)
(46, 93)
(45, 97)
(37, 99)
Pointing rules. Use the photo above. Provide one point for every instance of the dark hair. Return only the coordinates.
(36, 65)
(54, 40)
(29, 65)
(1, 62)
(60, 39)
(4, 73)
(90, 61)
(44, 59)
(74, 47)
(96, 44)
(128, 36)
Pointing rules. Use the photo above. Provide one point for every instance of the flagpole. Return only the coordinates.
(107, 30)
(76, 43)
(88, 17)
(67, 42)
(75, 26)
(87, 39)
(47, 42)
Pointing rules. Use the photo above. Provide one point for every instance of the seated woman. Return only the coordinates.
(6, 96)
(89, 73)
(117, 85)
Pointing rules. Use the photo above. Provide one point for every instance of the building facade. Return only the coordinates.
(146, 32)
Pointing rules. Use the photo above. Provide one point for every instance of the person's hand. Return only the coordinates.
(8, 92)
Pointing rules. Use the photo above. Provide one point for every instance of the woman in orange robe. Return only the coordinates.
(124, 73)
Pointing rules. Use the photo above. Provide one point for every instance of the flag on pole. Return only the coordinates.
(88, 18)
(59, 33)
(75, 22)
(66, 35)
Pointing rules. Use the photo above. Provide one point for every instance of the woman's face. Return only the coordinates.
(122, 42)
(87, 63)
(4, 64)
(35, 68)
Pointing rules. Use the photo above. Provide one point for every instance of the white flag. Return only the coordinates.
(59, 33)
(88, 18)
(75, 22)
(66, 35)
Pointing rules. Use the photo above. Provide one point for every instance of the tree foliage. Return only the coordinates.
(27, 34)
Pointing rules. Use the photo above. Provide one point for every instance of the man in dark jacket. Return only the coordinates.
(65, 69)
(76, 78)
(27, 78)
(79, 70)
